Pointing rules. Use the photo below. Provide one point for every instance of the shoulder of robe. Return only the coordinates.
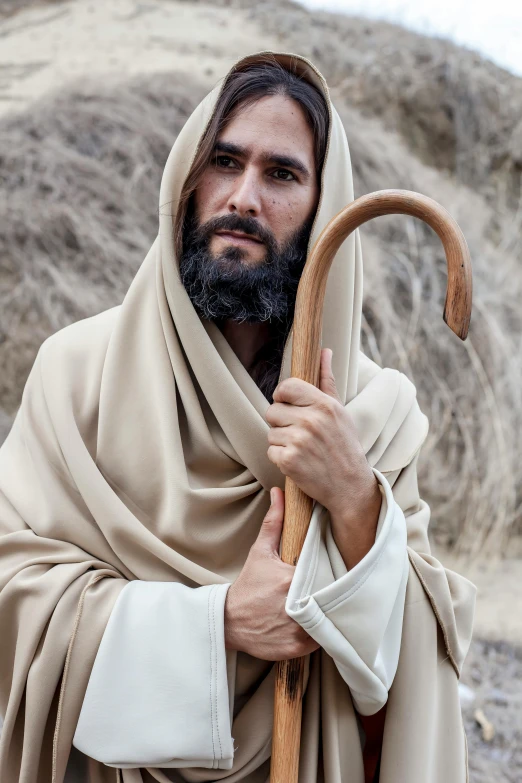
(393, 427)
(62, 391)
(71, 363)
(79, 347)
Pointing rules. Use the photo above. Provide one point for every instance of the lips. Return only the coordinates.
(239, 237)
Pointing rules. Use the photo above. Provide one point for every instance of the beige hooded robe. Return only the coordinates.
(139, 453)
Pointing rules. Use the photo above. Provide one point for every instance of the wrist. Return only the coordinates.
(354, 526)
(230, 624)
(360, 506)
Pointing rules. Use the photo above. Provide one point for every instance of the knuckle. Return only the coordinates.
(309, 421)
(289, 386)
(272, 454)
(282, 388)
(299, 438)
(312, 424)
(310, 433)
(293, 454)
(287, 459)
(327, 405)
(270, 516)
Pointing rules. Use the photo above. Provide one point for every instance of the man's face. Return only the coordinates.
(262, 171)
(249, 222)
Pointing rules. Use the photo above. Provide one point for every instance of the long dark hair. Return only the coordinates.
(247, 84)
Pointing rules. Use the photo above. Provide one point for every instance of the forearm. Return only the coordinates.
(354, 523)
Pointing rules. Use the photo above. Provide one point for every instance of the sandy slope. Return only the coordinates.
(44, 46)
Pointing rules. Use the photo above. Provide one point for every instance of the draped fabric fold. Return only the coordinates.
(356, 616)
(139, 452)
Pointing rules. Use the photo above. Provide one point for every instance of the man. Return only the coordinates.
(143, 600)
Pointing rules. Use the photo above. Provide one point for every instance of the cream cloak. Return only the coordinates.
(139, 453)
(162, 691)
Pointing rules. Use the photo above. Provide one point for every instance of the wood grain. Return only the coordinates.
(305, 364)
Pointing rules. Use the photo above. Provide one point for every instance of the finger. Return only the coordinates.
(281, 436)
(281, 414)
(326, 377)
(271, 528)
(296, 392)
(276, 455)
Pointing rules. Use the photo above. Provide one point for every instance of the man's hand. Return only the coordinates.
(313, 441)
(255, 617)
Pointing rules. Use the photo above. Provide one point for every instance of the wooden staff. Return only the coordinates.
(305, 365)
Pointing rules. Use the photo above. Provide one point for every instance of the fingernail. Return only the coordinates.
(272, 495)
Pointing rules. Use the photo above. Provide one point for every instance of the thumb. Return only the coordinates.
(272, 526)
(326, 378)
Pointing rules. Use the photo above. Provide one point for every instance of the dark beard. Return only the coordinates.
(225, 287)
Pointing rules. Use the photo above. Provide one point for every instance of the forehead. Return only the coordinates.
(275, 123)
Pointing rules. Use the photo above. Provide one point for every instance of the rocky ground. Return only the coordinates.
(491, 685)
(491, 696)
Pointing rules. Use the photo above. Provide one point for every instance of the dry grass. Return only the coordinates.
(78, 195)
(79, 184)
(12, 7)
(455, 110)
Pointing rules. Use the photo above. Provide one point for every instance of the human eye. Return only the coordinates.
(284, 175)
(224, 162)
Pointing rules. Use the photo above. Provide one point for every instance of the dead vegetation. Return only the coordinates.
(79, 182)
(12, 7)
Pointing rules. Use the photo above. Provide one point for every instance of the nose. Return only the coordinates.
(245, 198)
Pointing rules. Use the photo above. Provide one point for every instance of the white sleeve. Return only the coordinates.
(158, 694)
(355, 615)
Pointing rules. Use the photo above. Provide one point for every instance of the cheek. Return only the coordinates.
(210, 195)
(288, 213)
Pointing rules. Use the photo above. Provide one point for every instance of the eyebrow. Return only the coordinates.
(285, 161)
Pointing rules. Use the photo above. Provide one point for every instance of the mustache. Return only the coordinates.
(224, 288)
(247, 225)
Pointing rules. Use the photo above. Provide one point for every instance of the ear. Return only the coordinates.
(326, 378)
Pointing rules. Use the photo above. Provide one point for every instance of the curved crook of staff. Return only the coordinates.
(305, 365)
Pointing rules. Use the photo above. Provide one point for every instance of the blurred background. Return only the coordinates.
(92, 96)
